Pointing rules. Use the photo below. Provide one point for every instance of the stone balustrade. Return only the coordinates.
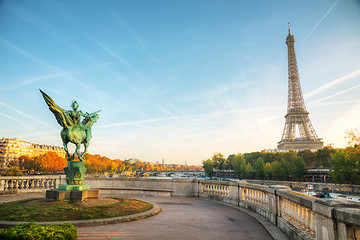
(299, 216)
(25, 184)
(255, 196)
(215, 189)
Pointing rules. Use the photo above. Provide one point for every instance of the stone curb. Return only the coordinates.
(93, 222)
(275, 232)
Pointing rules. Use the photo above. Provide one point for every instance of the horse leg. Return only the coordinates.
(86, 144)
(86, 140)
(66, 150)
(77, 151)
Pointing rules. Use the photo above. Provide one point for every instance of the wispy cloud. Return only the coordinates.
(118, 20)
(109, 51)
(333, 83)
(318, 23)
(43, 78)
(37, 60)
(14, 119)
(198, 119)
(46, 26)
(37, 133)
(334, 95)
(25, 54)
(27, 116)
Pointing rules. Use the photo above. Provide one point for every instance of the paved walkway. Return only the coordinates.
(180, 218)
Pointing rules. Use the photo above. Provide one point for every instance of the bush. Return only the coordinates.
(32, 231)
(13, 171)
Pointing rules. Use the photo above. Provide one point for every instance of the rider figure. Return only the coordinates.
(75, 115)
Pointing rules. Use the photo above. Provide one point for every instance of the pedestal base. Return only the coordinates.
(69, 187)
(71, 195)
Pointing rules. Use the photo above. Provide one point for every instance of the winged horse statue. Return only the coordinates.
(74, 130)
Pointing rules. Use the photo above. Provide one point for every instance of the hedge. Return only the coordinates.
(32, 231)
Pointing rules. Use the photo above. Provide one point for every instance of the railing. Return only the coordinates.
(298, 215)
(217, 189)
(255, 196)
(24, 184)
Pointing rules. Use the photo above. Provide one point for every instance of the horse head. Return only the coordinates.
(91, 119)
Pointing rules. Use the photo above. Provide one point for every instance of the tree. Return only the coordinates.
(12, 164)
(53, 162)
(13, 171)
(38, 163)
(288, 155)
(274, 172)
(309, 158)
(346, 165)
(219, 161)
(248, 170)
(259, 168)
(353, 136)
(267, 170)
(297, 167)
(229, 160)
(282, 170)
(25, 162)
(323, 156)
(208, 166)
(252, 157)
(238, 164)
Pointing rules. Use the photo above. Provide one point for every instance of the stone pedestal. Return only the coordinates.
(70, 187)
(71, 195)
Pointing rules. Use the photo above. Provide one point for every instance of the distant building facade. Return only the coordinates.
(12, 148)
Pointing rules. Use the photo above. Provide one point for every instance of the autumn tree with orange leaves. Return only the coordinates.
(51, 162)
(47, 163)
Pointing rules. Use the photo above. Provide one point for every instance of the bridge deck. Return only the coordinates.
(180, 218)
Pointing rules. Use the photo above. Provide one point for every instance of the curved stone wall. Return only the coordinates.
(298, 215)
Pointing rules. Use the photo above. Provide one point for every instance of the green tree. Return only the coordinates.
(238, 164)
(229, 160)
(282, 170)
(267, 170)
(219, 161)
(248, 170)
(346, 165)
(297, 167)
(274, 172)
(252, 157)
(288, 155)
(13, 171)
(323, 156)
(309, 158)
(208, 166)
(259, 168)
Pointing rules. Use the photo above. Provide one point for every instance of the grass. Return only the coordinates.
(34, 210)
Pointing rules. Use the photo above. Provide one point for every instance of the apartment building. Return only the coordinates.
(12, 148)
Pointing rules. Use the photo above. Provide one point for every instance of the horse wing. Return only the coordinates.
(58, 112)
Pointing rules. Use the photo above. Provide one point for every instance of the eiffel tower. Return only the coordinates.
(297, 118)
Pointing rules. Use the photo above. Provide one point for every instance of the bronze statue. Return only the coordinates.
(75, 131)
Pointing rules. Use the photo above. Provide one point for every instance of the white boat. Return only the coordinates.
(310, 190)
(347, 197)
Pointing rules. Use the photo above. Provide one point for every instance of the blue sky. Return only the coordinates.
(178, 80)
